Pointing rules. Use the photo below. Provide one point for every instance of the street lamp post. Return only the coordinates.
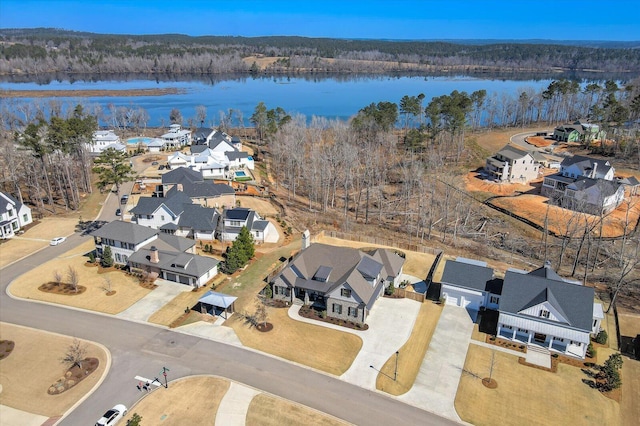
(395, 374)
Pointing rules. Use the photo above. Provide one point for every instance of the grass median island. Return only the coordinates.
(527, 395)
(188, 401)
(95, 298)
(315, 346)
(35, 364)
(267, 410)
(411, 353)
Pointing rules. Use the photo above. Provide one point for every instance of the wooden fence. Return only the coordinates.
(401, 292)
(402, 245)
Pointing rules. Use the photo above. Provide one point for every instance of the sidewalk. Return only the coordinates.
(234, 406)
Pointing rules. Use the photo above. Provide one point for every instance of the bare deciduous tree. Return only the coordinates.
(72, 275)
(75, 354)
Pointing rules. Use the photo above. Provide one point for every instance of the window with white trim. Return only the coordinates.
(543, 313)
(353, 312)
(336, 308)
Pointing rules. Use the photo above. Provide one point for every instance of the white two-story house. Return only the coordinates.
(13, 215)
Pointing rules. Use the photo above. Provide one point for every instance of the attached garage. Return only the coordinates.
(465, 298)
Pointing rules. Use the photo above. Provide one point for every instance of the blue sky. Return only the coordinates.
(400, 19)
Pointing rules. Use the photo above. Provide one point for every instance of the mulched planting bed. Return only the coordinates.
(148, 285)
(6, 347)
(515, 346)
(311, 313)
(64, 289)
(489, 383)
(73, 376)
(275, 303)
(264, 327)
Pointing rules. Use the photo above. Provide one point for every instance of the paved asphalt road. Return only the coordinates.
(142, 349)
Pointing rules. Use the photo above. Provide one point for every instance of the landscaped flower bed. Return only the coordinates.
(315, 314)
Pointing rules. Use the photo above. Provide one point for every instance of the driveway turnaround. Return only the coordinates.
(156, 299)
(233, 408)
(437, 382)
(390, 324)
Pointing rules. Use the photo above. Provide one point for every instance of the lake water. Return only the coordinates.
(331, 97)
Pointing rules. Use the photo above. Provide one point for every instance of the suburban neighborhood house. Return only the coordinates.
(536, 308)
(213, 163)
(512, 164)
(13, 215)
(201, 191)
(147, 250)
(345, 281)
(234, 219)
(103, 139)
(177, 137)
(580, 131)
(584, 184)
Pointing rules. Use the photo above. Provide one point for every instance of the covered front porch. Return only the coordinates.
(309, 297)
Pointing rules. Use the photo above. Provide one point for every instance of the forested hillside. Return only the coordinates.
(35, 51)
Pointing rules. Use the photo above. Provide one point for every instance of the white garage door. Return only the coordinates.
(470, 302)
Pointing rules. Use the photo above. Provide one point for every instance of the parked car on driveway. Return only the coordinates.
(124, 199)
(118, 212)
(112, 416)
(57, 240)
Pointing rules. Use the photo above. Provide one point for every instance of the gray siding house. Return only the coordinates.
(344, 281)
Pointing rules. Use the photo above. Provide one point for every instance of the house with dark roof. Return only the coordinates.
(630, 184)
(155, 212)
(580, 130)
(201, 191)
(470, 284)
(584, 184)
(202, 136)
(512, 164)
(536, 308)
(234, 219)
(540, 308)
(344, 281)
(14, 215)
(143, 249)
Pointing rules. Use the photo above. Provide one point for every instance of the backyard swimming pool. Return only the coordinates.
(139, 140)
(240, 173)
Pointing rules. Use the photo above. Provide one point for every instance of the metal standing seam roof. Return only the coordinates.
(217, 299)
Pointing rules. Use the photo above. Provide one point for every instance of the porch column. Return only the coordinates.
(550, 342)
(499, 330)
(529, 340)
(513, 336)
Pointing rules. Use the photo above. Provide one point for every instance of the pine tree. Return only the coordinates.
(107, 257)
(245, 243)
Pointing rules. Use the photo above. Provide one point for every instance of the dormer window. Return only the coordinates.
(544, 313)
(345, 292)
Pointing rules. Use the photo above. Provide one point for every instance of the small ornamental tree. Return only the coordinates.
(240, 252)
(75, 354)
(72, 275)
(602, 337)
(107, 258)
(135, 420)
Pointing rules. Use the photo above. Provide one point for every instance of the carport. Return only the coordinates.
(217, 304)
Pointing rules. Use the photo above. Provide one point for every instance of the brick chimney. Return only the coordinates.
(153, 255)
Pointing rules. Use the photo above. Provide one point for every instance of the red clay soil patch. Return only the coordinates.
(148, 285)
(489, 383)
(474, 183)
(91, 264)
(111, 293)
(540, 141)
(264, 327)
(74, 375)
(6, 347)
(64, 289)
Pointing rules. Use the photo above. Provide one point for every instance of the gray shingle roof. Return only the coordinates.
(202, 189)
(586, 165)
(7, 200)
(466, 275)
(181, 175)
(512, 152)
(233, 155)
(199, 218)
(345, 264)
(174, 201)
(126, 232)
(574, 302)
(175, 261)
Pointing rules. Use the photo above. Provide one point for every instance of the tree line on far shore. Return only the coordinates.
(37, 51)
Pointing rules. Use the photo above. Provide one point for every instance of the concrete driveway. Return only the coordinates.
(156, 299)
(390, 324)
(437, 382)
